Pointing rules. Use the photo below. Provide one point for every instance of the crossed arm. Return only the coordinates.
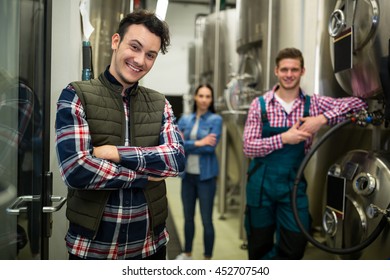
(83, 166)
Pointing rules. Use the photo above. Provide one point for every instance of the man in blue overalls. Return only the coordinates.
(278, 132)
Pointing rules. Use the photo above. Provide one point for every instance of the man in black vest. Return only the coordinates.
(116, 142)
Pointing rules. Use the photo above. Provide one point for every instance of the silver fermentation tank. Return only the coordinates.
(104, 17)
(360, 57)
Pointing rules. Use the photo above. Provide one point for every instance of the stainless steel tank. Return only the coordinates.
(360, 41)
(359, 53)
(196, 74)
(105, 17)
(218, 65)
(249, 80)
(357, 194)
(219, 55)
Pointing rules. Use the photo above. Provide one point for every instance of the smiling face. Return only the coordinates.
(289, 72)
(134, 56)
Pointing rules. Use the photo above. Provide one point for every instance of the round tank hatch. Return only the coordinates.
(354, 28)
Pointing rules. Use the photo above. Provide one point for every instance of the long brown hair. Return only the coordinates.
(211, 107)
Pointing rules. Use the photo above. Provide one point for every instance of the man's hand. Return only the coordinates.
(108, 152)
(295, 135)
(312, 124)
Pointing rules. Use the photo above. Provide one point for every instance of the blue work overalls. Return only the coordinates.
(268, 195)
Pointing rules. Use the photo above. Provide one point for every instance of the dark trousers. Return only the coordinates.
(194, 189)
(261, 241)
(159, 255)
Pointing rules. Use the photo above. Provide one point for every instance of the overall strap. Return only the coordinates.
(264, 117)
(306, 112)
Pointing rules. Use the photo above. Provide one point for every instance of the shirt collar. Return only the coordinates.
(276, 87)
(110, 77)
(114, 81)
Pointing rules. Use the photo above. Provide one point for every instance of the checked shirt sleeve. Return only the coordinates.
(254, 144)
(165, 160)
(335, 109)
(78, 168)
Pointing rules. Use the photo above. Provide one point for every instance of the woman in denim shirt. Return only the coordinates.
(202, 131)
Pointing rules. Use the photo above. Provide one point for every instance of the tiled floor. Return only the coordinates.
(228, 244)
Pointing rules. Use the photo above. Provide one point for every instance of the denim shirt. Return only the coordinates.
(208, 123)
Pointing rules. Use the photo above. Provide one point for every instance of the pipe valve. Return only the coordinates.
(364, 118)
(374, 211)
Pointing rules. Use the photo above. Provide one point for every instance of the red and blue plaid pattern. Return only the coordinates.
(124, 230)
(334, 109)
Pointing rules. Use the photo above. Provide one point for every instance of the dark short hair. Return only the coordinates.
(151, 22)
(289, 53)
(211, 107)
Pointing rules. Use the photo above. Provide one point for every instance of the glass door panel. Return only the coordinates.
(23, 83)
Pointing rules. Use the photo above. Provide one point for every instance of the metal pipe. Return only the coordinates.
(269, 67)
(222, 181)
(222, 173)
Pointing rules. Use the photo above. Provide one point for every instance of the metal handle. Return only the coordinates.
(50, 209)
(337, 23)
(20, 204)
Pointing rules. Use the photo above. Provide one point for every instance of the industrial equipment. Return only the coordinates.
(356, 216)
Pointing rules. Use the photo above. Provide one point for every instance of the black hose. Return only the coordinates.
(338, 251)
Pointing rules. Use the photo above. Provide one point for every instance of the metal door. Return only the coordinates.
(26, 200)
